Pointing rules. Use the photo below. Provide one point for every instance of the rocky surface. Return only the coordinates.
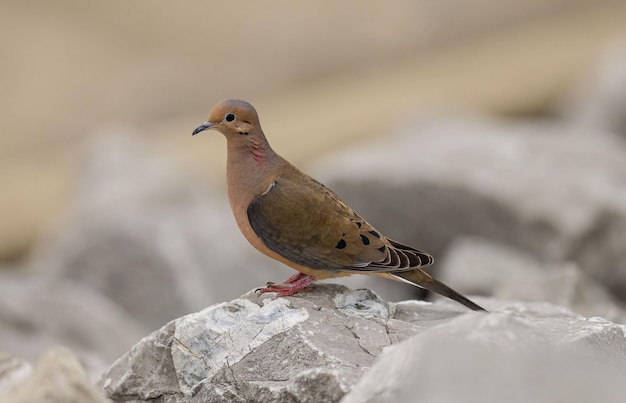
(519, 353)
(335, 343)
(258, 348)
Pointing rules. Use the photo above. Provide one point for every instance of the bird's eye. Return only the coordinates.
(229, 117)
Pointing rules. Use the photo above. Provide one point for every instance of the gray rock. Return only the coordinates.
(39, 313)
(487, 267)
(525, 353)
(334, 343)
(297, 349)
(12, 372)
(57, 378)
(545, 188)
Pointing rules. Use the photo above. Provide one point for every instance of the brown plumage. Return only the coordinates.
(291, 217)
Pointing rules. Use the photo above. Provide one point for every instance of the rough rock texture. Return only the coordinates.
(57, 378)
(317, 347)
(523, 353)
(296, 349)
(543, 187)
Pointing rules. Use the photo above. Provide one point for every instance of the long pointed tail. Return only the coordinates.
(424, 280)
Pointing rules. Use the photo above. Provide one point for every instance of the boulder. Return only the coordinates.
(524, 353)
(335, 343)
(308, 348)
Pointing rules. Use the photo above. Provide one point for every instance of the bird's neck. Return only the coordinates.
(251, 152)
(251, 166)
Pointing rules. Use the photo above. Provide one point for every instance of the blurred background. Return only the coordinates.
(490, 133)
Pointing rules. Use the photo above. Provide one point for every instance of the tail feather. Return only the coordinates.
(422, 279)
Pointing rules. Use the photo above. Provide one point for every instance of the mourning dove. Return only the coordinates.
(291, 217)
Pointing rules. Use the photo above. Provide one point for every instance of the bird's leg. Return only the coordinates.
(297, 282)
(294, 278)
(290, 280)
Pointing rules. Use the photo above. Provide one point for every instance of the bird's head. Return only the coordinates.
(233, 118)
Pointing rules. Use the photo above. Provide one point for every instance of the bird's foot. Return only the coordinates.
(296, 283)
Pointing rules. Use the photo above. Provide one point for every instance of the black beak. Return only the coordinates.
(202, 127)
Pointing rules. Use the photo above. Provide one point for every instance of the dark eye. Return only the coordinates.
(229, 117)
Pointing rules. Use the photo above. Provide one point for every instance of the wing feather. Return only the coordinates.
(305, 222)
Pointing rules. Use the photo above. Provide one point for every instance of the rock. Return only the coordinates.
(487, 267)
(37, 313)
(57, 377)
(308, 348)
(546, 188)
(335, 343)
(525, 353)
(12, 372)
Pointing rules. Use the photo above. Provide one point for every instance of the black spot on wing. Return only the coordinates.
(341, 244)
(365, 240)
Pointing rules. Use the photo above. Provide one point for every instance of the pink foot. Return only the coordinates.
(297, 282)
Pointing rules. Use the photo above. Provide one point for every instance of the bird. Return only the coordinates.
(294, 219)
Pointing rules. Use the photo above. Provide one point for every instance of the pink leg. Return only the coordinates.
(294, 278)
(298, 282)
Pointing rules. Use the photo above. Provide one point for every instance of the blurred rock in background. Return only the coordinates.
(490, 134)
(147, 236)
(488, 267)
(599, 101)
(58, 377)
(549, 188)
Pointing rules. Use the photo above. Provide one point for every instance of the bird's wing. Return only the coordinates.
(306, 223)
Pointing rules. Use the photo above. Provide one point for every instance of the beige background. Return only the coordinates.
(322, 74)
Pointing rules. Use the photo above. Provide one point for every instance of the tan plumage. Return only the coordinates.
(291, 217)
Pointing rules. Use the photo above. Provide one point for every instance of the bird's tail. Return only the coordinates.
(424, 280)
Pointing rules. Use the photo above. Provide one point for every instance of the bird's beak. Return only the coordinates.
(202, 127)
